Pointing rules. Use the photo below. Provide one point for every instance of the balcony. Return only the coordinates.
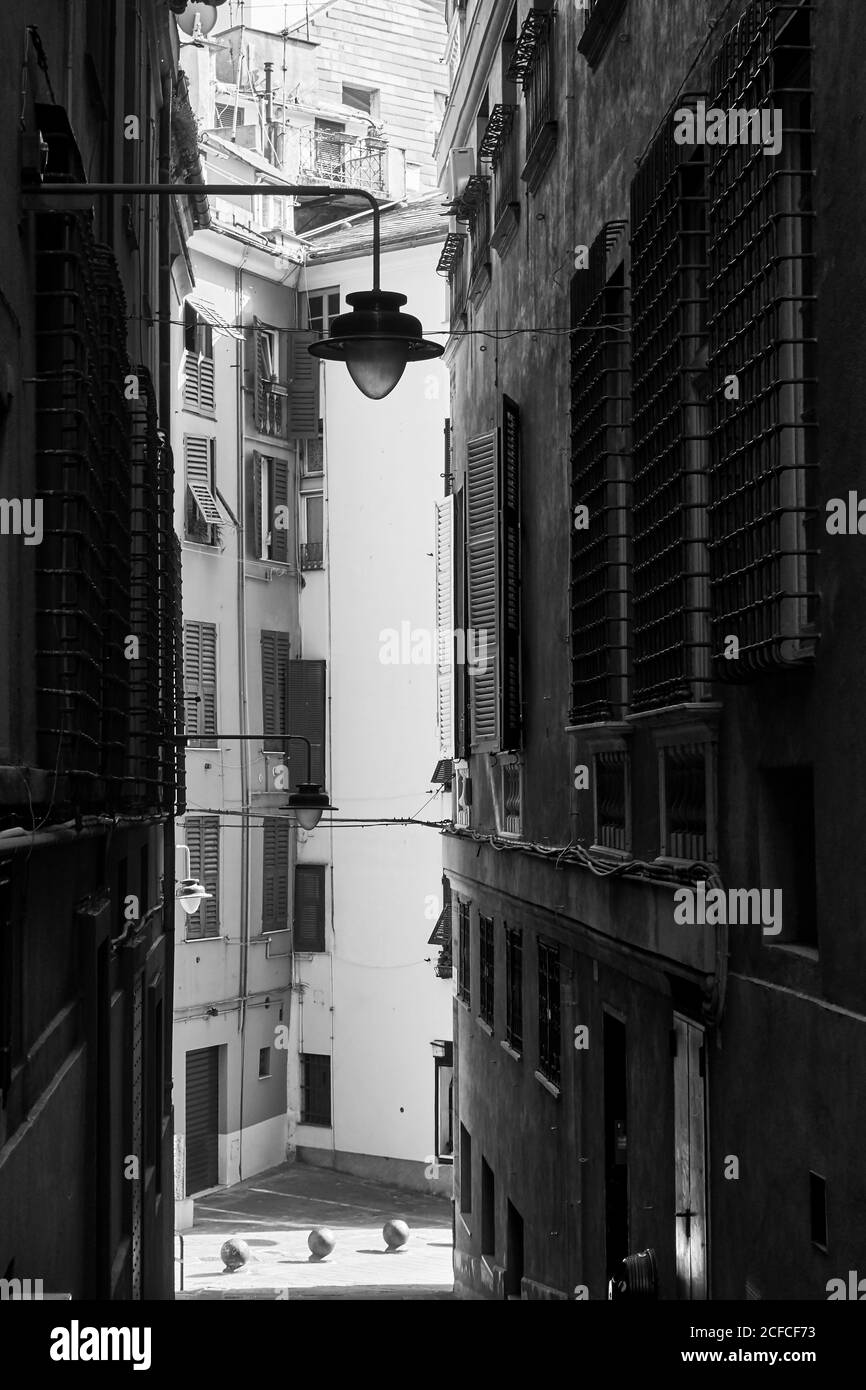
(327, 156)
(313, 555)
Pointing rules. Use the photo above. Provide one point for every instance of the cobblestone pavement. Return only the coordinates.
(274, 1213)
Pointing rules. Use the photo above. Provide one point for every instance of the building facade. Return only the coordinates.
(90, 779)
(659, 1020)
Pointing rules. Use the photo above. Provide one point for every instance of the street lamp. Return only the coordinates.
(309, 801)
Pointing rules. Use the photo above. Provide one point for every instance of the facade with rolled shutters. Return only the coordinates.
(649, 390)
(90, 779)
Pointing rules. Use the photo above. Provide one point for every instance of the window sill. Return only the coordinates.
(200, 940)
(548, 1085)
(484, 1025)
(464, 1003)
(599, 30)
(199, 410)
(506, 1047)
(201, 547)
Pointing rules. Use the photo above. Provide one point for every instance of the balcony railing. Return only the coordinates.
(479, 223)
(330, 157)
(538, 88)
(313, 555)
(272, 409)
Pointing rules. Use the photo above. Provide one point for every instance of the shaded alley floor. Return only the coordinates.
(274, 1213)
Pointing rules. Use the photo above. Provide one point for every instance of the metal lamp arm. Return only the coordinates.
(257, 738)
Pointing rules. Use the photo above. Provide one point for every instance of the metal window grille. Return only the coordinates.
(499, 145)
(478, 199)
(464, 991)
(685, 801)
(762, 331)
(670, 426)
(600, 481)
(312, 555)
(315, 1089)
(611, 792)
(538, 83)
(486, 1004)
(512, 798)
(514, 989)
(548, 1012)
(463, 797)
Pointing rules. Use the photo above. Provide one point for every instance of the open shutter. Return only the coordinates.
(197, 449)
(192, 677)
(208, 719)
(445, 626)
(306, 715)
(275, 678)
(259, 464)
(483, 587)
(461, 679)
(510, 593)
(260, 374)
(303, 386)
(309, 907)
(279, 497)
(275, 877)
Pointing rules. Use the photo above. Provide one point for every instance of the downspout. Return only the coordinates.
(243, 710)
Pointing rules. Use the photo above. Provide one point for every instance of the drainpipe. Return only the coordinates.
(269, 111)
(243, 712)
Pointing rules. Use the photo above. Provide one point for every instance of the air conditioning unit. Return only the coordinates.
(459, 170)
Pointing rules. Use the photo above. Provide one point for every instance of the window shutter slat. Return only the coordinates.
(306, 716)
(304, 387)
(445, 625)
(510, 643)
(482, 577)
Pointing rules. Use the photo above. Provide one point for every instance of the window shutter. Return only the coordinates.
(309, 908)
(279, 497)
(303, 386)
(445, 625)
(200, 678)
(190, 323)
(202, 838)
(461, 679)
(259, 463)
(483, 587)
(509, 520)
(197, 449)
(260, 372)
(306, 715)
(191, 380)
(206, 384)
(275, 877)
(275, 679)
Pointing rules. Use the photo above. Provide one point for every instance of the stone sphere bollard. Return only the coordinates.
(321, 1241)
(234, 1254)
(396, 1233)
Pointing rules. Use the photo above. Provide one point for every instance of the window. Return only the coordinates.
(202, 835)
(477, 202)
(601, 17)
(275, 692)
(462, 795)
(286, 383)
(203, 514)
(485, 931)
(264, 1063)
(306, 716)
(322, 307)
(200, 683)
(493, 582)
(444, 1096)
(315, 1089)
(445, 626)
(312, 453)
(464, 955)
(271, 503)
(670, 425)
(509, 808)
(532, 66)
(440, 103)
(309, 908)
(514, 989)
(611, 785)
(548, 1012)
(465, 1171)
(276, 850)
(488, 1209)
(761, 306)
(198, 365)
(786, 839)
(687, 779)
(818, 1210)
(453, 263)
(499, 145)
(363, 99)
(313, 544)
(600, 482)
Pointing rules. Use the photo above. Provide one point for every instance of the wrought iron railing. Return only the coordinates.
(313, 555)
(331, 157)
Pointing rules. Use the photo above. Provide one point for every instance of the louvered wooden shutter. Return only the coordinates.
(197, 449)
(200, 678)
(309, 908)
(190, 380)
(260, 375)
(259, 464)
(203, 842)
(307, 716)
(509, 520)
(303, 387)
(461, 679)
(275, 680)
(275, 877)
(279, 497)
(445, 625)
(483, 586)
(206, 384)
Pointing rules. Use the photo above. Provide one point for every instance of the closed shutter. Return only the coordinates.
(509, 517)
(483, 587)
(309, 908)
(306, 715)
(202, 1119)
(261, 374)
(203, 842)
(304, 387)
(200, 680)
(206, 384)
(190, 380)
(461, 673)
(275, 877)
(279, 493)
(275, 682)
(445, 626)
(259, 484)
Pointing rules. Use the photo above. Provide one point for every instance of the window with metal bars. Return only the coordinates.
(514, 988)
(512, 798)
(315, 1089)
(600, 483)
(203, 841)
(611, 783)
(684, 774)
(499, 145)
(464, 955)
(487, 972)
(600, 20)
(532, 65)
(762, 331)
(478, 211)
(548, 1012)
(538, 86)
(669, 425)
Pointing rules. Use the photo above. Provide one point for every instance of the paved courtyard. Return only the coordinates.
(274, 1213)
